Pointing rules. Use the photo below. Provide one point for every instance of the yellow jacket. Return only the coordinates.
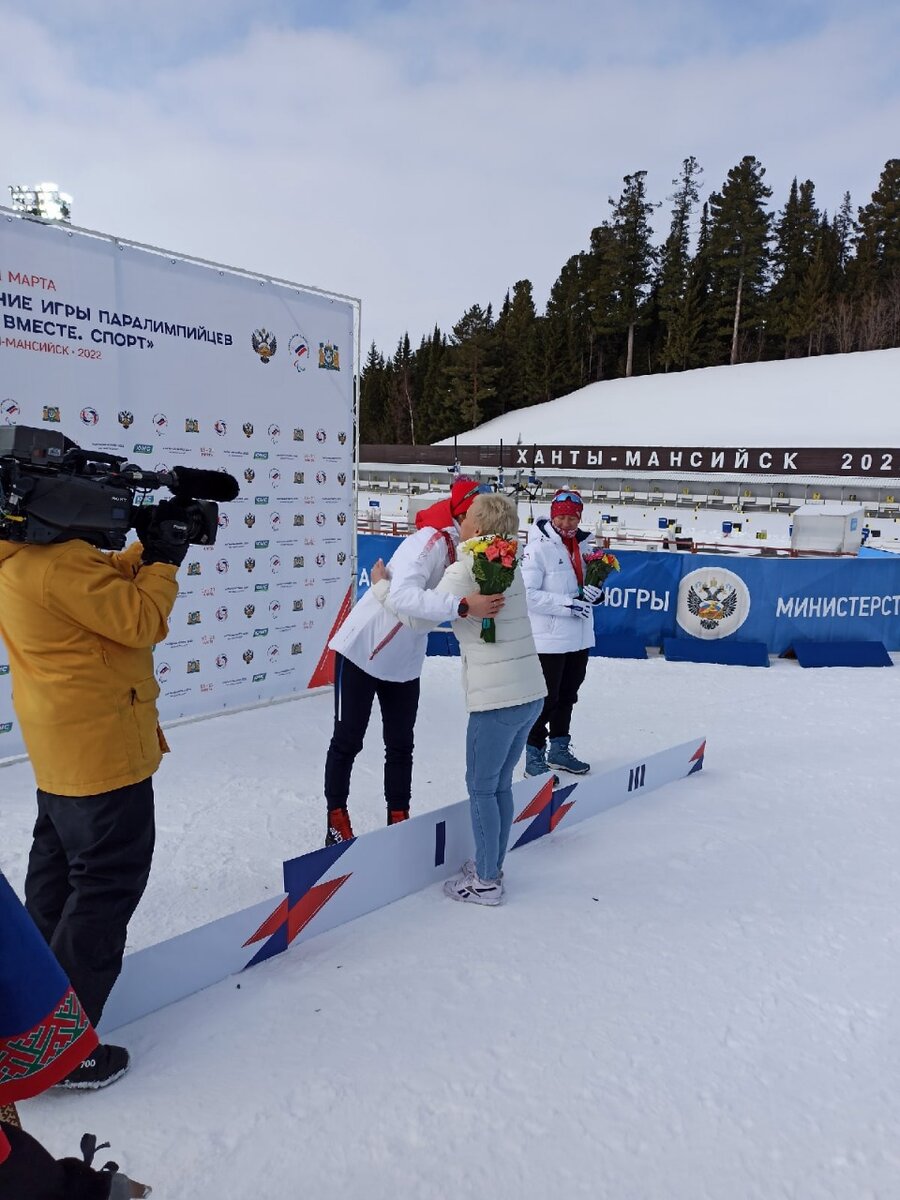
(79, 626)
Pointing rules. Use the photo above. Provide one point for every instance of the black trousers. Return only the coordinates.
(564, 674)
(88, 867)
(31, 1173)
(354, 692)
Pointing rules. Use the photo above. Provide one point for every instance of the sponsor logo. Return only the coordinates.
(89, 416)
(163, 671)
(247, 429)
(298, 347)
(320, 560)
(260, 499)
(342, 558)
(221, 427)
(247, 656)
(142, 448)
(223, 520)
(342, 478)
(221, 661)
(249, 474)
(160, 423)
(191, 425)
(206, 687)
(206, 451)
(712, 603)
(298, 435)
(329, 357)
(299, 519)
(321, 477)
(298, 476)
(275, 563)
(275, 520)
(126, 419)
(4, 668)
(342, 518)
(274, 609)
(50, 412)
(222, 566)
(193, 666)
(9, 410)
(272, 653)
(249, 563)
(221, 613)
(5, 727)
(274, 432)
(264, 343)
(260, 632)
(250, 519)
(262, 544)
(320, 518)
(320, 601)
(275, 476)
(298, 560)
(249, 610)
(261, 587)
(260, 677)
(342, 437)
(298, 606)
(261, 454)
(296, 648)
(194, 617)
(321, 435)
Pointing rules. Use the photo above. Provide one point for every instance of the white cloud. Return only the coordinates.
(430, 157)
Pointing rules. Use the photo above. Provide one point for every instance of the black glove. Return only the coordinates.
(163, 531)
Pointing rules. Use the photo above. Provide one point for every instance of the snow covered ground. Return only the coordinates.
(691, 997)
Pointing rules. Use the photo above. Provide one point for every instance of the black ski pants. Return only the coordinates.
(354, 692)
(88, 867)
(564, 674)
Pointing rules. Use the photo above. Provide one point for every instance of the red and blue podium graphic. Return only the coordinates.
(329, 887)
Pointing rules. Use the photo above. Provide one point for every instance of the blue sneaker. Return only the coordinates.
(561, 758)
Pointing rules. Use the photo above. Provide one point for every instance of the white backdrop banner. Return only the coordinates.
(169, 361)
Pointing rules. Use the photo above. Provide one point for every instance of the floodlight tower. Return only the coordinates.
(44, 201)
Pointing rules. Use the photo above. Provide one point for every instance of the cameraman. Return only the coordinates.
(80, 624)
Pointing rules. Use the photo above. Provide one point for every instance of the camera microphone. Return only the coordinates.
(196, 483)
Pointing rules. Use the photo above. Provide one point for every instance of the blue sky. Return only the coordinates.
(424, 156)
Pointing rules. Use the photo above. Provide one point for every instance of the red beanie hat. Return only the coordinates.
(566, 504)
(445, 512)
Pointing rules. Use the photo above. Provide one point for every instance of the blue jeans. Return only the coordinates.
(494, 743)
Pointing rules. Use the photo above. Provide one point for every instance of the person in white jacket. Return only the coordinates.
(376, 655)
(504, 688)
(561, 612)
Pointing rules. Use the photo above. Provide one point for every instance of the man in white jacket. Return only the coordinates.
(376, 655)
(560, 608)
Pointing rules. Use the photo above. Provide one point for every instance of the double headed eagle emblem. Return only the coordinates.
(711, 603)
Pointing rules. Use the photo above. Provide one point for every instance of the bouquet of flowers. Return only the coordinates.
(493, 565)
(597, 565)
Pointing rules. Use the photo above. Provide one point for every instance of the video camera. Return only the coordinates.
(53, 491)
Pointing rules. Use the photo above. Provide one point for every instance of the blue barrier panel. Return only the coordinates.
(713, 597)
(369, 548)
(722, 650)
(442, 643)
(618, 645)
(842, 654)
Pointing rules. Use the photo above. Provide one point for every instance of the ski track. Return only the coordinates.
(690, 997)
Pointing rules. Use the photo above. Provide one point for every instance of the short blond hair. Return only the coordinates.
(493, 513)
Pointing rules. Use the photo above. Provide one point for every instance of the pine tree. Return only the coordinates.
(675, 257)
(568, 331)
(372, 398)
(470, 373)
(521, 325)
(808, 315)
(796, 231)
(628, 268)
(400, 402)
(739, 246)
(692, 333)
(879, 226)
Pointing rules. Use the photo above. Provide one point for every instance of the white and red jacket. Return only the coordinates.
(374, 639)
(551, 585)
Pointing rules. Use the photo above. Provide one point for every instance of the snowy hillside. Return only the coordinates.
(841, 400)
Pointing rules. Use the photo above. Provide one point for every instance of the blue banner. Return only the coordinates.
(777, 601)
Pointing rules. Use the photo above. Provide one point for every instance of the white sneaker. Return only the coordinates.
(469, 869)
(474, 890)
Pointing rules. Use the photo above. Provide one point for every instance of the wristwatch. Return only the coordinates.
(463, 610)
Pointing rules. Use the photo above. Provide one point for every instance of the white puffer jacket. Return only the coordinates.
(496, 674)
(551, 586)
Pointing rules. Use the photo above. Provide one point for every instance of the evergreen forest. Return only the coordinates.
(734, 281)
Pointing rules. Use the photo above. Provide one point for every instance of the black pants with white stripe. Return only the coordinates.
(354, 692)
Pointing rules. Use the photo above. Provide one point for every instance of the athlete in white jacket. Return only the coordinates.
(561, 612)
(376, 655)
(504, 688)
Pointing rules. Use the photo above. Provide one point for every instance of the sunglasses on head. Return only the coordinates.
(568, 496)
